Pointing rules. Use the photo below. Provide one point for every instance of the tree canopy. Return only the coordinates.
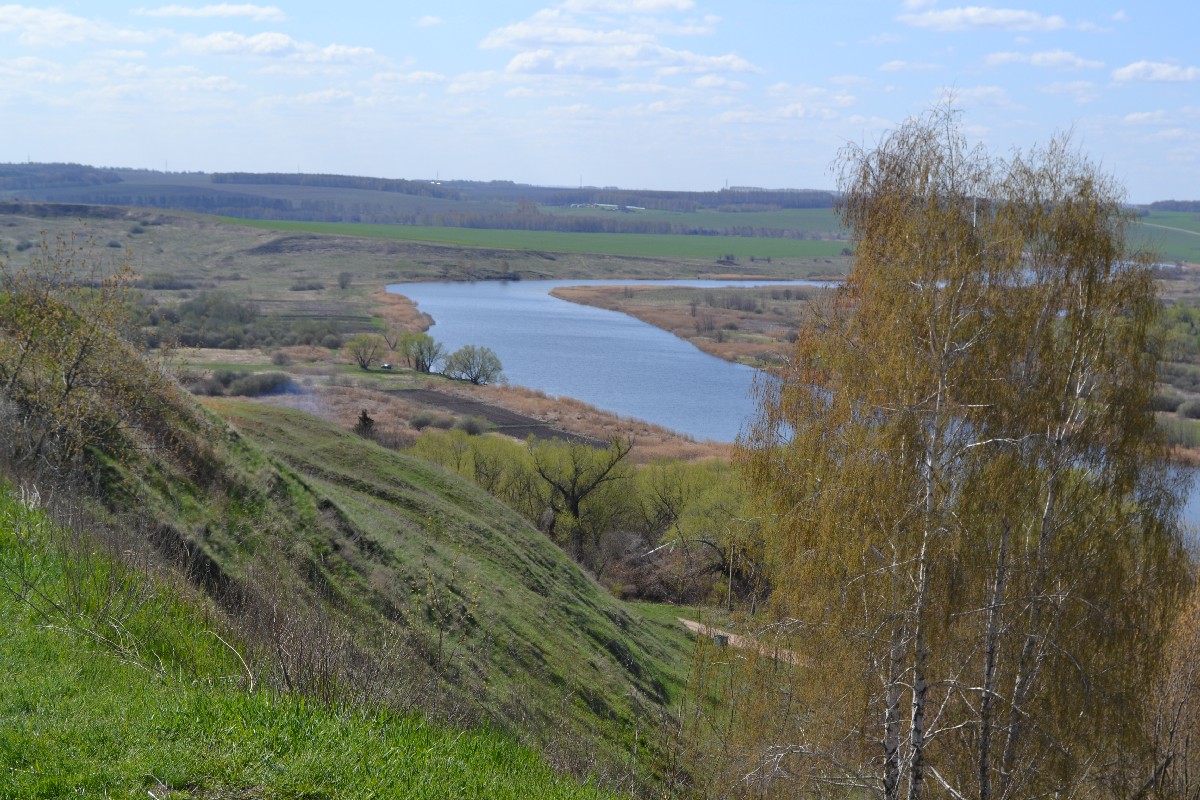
(969, 527)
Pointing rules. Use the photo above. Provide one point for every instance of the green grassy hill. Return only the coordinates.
(115, 687)
(501, 618)
(345, 573)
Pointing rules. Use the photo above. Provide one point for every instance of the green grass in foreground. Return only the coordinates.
(116, 688)
(618, 244)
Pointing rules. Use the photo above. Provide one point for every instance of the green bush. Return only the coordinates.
(261, 383)
(473, 426)
(431, 419)
(1166, 401)
(1190, 409)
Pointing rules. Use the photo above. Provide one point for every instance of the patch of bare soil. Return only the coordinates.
(742, 642)
(503, 420)
(204, 356)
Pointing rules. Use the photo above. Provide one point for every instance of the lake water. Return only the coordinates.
(605, 358)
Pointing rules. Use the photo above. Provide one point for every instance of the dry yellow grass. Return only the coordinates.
(398, 311)
(730, 334)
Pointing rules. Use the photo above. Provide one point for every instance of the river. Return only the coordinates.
(608, 359)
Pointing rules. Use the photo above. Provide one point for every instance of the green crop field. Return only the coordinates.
(1172, 235)
(618, 244)
(820, 221)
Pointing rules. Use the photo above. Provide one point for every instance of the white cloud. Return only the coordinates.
(610, 39)
(551, 27)
(628, 6)
(1156, 71)
(237, 44)
(38, 27)
(256, 13)
(1145, 117)
(30, 69)
(802, 100)
(273, 45)
(681, 62)
(983, 18)
(1051, 59)
(906, 66)
(429, 21)
(717, 82)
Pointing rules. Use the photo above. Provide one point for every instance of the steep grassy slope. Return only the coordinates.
(500, 617)
(114, 686)
(355, 574)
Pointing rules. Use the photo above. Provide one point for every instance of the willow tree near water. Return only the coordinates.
(970, 531)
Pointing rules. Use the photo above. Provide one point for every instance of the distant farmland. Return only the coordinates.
(1172, 235)
(714, 248)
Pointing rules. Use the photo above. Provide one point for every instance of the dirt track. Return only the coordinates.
(743, 642)
(507, 422)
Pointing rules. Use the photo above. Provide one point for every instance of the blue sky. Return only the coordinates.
(671, 94)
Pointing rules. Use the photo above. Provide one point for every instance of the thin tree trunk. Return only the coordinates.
(916, 733)
(891, 716)
(1032, 651)
(991, 645)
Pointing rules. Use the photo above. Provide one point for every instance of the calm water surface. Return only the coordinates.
(604, 358)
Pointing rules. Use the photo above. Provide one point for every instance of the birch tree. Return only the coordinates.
(969, 526)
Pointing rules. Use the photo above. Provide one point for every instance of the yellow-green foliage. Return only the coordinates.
(687, 520)
(971, 535)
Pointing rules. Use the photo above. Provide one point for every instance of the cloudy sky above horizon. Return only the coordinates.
(669, 94)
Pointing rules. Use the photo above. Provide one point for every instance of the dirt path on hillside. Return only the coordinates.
(742, 642)
(510, 423)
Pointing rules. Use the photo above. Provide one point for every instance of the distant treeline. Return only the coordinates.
(220, 204)
(1176, 205)
(398, 185)
(23, 177)
(502, 205)
(723, 200)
